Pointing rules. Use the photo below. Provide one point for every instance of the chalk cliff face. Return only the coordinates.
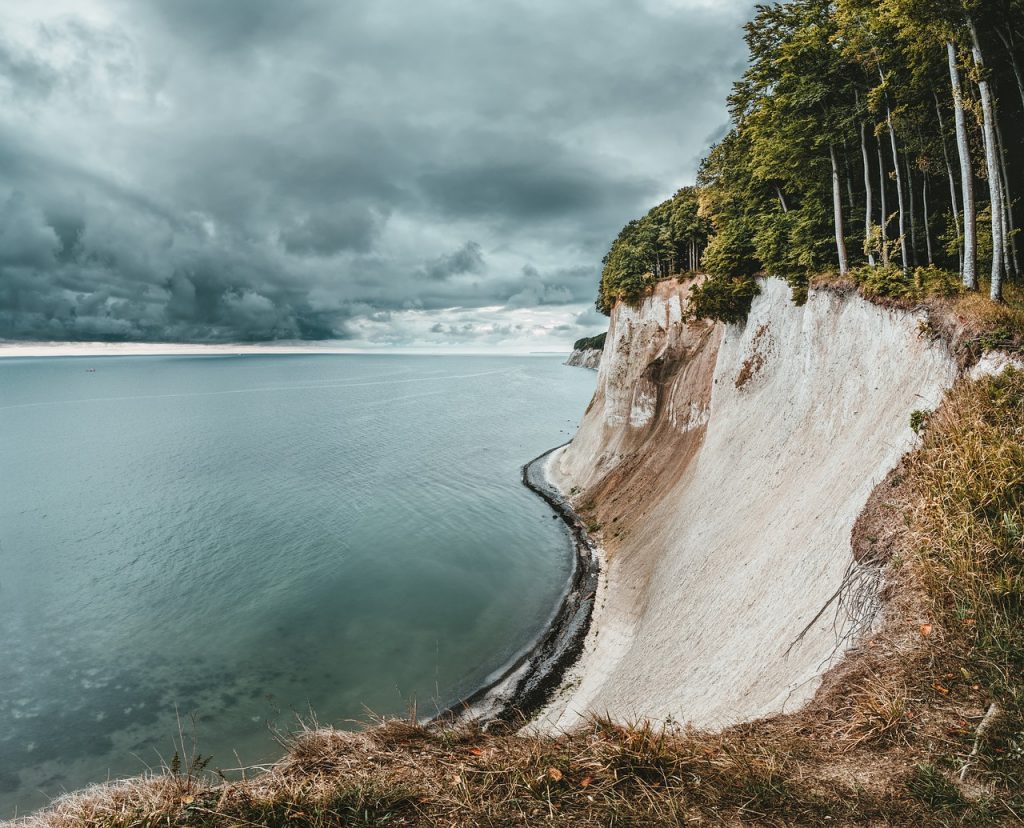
(585, 358)
(725, 465)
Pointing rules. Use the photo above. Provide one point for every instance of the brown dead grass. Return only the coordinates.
(973, 324)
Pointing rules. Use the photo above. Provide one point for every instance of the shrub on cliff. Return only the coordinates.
(894, 283)
(725, 299)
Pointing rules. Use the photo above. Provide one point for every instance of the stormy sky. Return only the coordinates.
(437, 173)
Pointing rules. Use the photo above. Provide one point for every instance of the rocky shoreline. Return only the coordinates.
(528, 683)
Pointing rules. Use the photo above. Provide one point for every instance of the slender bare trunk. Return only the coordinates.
(899, 188)
(991, 149)
(927, 229)
(868, 195)
(884, 220)
(1010, 237)
(970, 268)
(849, 177)
(913, 219)
(837, 205)
(952, 185)
(899, 177)
(782, 200)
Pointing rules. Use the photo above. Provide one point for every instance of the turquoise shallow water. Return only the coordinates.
(240, 539)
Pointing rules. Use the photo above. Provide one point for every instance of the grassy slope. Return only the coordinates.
(885, 742)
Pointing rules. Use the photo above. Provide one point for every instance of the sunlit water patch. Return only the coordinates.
(239, 540)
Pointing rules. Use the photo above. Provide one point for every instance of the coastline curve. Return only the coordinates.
(530, 680)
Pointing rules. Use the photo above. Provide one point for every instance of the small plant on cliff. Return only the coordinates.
(919, 420)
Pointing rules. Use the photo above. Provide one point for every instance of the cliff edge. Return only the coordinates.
(723, 468)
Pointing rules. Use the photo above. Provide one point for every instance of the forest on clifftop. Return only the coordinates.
(878, 140)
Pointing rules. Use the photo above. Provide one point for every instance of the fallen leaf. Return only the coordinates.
(585, 781)
(941, 689)
(476, 751)
(969, 622)
(555, 774)
(926, 629)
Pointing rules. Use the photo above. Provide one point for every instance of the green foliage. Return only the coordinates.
(590, 343)
(893, 283)
(731, 251)
(930, 786)
(664, 242)
(846, 79)
(725, 299)
(919, 420)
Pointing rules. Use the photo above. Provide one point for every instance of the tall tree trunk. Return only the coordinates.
(849, 177)
(899, 188)
(899, 176)
(782, 200)
(970, 270)
(867, 190)
(927, 229)
(837, 205)
(991, 149)
(884, 215)
(913, 219)
(1009, 236)
(952, 185)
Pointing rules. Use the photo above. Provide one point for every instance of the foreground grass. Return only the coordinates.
(922, 725)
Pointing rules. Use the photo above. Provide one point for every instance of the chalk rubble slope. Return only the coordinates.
(726, 465)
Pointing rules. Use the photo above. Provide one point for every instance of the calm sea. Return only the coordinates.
(237, 541)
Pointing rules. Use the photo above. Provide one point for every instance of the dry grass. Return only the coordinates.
(884, 742)
(979, 324)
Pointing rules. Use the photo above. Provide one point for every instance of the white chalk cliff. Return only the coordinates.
(585, 358)
(726, 465)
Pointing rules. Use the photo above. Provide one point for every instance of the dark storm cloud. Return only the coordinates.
(257, 169)
(467, 259)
